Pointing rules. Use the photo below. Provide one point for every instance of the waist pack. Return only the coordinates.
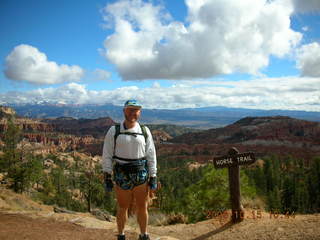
(131, 167)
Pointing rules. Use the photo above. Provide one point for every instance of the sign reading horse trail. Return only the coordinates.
(233, 160)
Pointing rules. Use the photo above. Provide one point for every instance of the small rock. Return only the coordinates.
(62, 210)
(101, 215)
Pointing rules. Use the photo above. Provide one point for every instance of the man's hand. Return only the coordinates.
(153, 183)
(108, 184)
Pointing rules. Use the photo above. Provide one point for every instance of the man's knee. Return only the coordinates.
(122, 209)
(142, 205)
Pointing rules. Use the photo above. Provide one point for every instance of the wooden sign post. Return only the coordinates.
(232, 161)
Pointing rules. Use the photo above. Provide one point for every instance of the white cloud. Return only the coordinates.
(303, 6)
(156, 85)
(27, 63)
(308, 60)
(100, 74)
(264, 93)
(220, 37)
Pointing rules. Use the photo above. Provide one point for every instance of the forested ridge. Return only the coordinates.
(278, 185)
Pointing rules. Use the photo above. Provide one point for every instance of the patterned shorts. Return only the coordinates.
(129, 179)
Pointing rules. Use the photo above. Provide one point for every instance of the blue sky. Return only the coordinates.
(167, 54)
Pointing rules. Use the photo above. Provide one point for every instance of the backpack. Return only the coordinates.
(117, 133)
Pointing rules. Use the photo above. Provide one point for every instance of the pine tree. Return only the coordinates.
(11, 155)
(211, 193)
(268, 172)
(313, 186)
(273, 183)
(92, 189)
(287, 193)
(59, 179)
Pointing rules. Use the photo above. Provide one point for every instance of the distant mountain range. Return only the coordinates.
(202, 118)
(259, 130)
(278, 135)
(271, 135)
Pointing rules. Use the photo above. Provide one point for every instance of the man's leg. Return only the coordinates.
(140, 194)
(124, 198)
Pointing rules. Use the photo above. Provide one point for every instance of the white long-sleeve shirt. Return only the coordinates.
(130, 147)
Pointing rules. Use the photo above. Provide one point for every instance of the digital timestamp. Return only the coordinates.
(223, 216)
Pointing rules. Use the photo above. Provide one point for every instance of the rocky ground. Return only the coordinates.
(21, 218)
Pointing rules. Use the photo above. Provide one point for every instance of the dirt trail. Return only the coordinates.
(20, 226)
(22, 218)
(300, 227)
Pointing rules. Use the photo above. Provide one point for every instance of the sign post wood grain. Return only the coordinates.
(233, 160)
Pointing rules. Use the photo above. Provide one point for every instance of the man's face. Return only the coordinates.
(131, 114)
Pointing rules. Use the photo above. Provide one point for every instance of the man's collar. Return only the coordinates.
(125, 128)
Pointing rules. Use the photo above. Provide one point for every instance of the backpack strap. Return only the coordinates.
(116, 134)
(144, 132)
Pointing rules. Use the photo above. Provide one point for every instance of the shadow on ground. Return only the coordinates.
(216, 231)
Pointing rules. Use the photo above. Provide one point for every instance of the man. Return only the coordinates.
(129, 153)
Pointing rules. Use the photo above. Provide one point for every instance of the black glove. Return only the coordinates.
(153, 183)
(108, 184)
